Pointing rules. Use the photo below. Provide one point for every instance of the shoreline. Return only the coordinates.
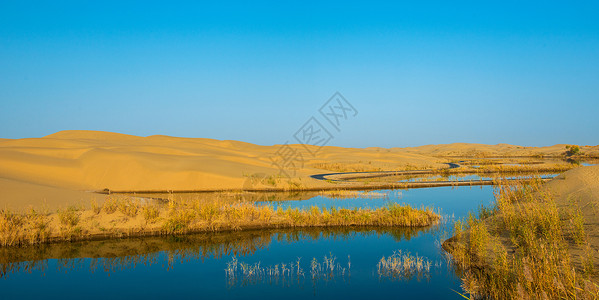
(128, 217)
(400, 185)
(536, 234)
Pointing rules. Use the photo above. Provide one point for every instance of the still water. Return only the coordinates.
(309, 264)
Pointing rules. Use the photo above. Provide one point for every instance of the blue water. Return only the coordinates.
(457, 201)
(186, 269)
(472, 177)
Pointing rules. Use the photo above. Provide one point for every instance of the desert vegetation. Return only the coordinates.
(126, 216)
(572, 150)
(404, 266)
(344, 194)
(329, 268)
(521, 248)
(368, 166)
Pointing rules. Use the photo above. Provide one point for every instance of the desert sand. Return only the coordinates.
(579, 188)
(66, 167)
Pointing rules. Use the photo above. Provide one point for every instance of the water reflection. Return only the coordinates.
(121, 254)
(473, 177)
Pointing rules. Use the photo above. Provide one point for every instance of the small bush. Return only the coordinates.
(150, 214)
(110, 205)
(179, 221)
(95, 207)
(572, 150)
(128, 207)
(69, 217)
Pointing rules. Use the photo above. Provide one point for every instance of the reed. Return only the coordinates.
(119, 217)
(128, 207)
(403, 266)
(329, 268)
(150, 214)
(110, 205)
(345, 194)
(526, 219)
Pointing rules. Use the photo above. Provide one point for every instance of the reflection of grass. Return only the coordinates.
(185, 216)
(527, 220)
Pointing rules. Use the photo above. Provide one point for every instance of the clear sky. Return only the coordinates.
(419, 72)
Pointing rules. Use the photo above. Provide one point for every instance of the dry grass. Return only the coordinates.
(128, 207)
(150, 214)
(242, 274)
(368, 166)
(215, 215)
(403, 266)
(526, 168)
(69, 217)
(95, 207)
(522, 250)
(345, 194)
(120, 217)
(111, 204)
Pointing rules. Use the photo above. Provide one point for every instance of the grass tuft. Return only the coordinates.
(526, 219)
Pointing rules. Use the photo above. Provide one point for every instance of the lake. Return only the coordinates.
(342, 263)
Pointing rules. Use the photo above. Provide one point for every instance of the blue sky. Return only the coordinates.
(418, 73)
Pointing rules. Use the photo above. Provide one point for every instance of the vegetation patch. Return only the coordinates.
(519, 248)
(119, 217)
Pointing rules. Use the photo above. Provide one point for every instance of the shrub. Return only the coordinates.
(69, 217)
(572, 150)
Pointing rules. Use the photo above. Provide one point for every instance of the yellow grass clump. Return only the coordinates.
(120, 217)
(519, 249)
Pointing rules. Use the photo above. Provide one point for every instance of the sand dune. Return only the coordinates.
(17, 195)
(93, 160)
(579, 188)
(78, 161)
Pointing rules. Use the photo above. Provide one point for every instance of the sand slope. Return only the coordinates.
(78, 161)
(579, 189)
(19, 196)
(93, 160)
